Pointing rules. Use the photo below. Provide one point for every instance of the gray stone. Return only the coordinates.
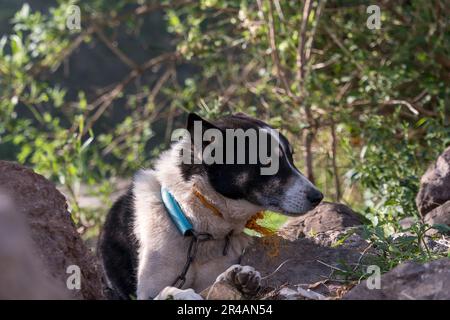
(439, 215)
(438, 245)
(435, 184)
(409, 281)
(294, 293)
(222, 290)
(281, 261)
(22, 275)
(407, 222)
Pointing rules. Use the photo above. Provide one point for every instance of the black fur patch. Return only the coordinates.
(118, 248)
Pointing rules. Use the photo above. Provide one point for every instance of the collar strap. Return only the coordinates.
(185, 226)
(182, 223)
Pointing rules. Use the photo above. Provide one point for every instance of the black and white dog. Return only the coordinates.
(142, 249)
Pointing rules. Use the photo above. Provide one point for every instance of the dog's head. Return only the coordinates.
(260, 170)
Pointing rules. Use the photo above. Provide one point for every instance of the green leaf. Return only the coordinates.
(441, 228)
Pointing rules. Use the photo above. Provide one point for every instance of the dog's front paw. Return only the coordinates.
(244, 278)
(172, 293)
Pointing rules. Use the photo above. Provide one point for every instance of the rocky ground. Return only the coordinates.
(305, 260)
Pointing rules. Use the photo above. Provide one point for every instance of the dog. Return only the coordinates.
(142, 250)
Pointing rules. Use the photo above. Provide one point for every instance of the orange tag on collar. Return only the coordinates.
(253, 225)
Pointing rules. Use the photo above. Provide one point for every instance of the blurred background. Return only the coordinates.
(90, 91)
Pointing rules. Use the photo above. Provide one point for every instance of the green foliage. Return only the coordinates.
(387, 250)
(389, 169)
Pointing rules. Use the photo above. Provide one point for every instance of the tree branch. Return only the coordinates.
(301, 54)
(106, 99)
(337, 183)
(109, 43)
(274, 52)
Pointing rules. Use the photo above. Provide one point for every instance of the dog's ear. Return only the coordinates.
(194, 118)
(194, 123)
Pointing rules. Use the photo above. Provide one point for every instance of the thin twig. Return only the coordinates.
(330, 266)
(109, 43)
(301, 54)
(337, 183)
(404, 103)
(362, 256)
(310, 41)
(343, 48)
(274, 52)
(36, 69)
(278, 268)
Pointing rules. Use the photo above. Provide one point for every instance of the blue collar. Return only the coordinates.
(176, 213)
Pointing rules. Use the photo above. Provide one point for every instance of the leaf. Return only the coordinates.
(16, 44)
(3, 41)
(420, 122)
(442, 228)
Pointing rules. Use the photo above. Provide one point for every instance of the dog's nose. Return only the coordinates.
(314, 196)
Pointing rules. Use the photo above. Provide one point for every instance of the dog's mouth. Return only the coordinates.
(290, 213)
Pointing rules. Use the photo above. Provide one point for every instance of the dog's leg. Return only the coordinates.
(245, 278)
(155, 273)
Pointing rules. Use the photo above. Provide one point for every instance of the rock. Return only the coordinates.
(435, 184)
(21, 272)
(326, 225)
(409, 281)
(349, 238)
(292, 293)
(438, 245)
(222, 290)
(326, 217)
(407, 222)
(52, 232)
(439, 215)
(281, 261)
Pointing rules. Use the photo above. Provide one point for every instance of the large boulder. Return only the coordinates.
(53, 238)
(409, 281)
(435, 184)
(300, 262)
(326, 217)
(22, 274)
(309, 252)
(329, 224)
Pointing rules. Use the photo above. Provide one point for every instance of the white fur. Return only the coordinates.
(294, 199)
(162, 250)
